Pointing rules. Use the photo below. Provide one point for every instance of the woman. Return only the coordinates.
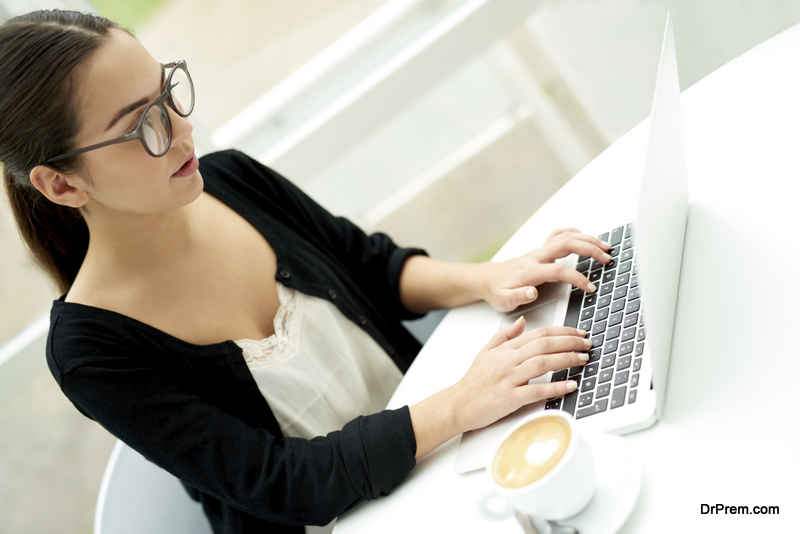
(214, 317)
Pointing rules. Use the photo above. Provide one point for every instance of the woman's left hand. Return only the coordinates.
(512, 283)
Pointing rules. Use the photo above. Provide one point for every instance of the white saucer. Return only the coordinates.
(619, 478)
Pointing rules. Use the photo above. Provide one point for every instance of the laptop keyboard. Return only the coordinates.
(613, 319)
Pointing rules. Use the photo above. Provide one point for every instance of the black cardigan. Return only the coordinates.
(197, 411)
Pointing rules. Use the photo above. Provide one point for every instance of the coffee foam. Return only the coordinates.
(531, 452)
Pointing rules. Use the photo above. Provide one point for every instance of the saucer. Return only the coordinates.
(619, 477)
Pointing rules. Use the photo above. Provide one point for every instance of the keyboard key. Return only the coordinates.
(620, 292)
(554, 404)
(639, 349)
(603, 301)
(637, 364)
(625, 267)
(594, 355)
(635, 269)
(585, 399)
(583, 265)
(605, 375)
(589, 300)
(586, 326)
(635, 281)
(596, 265)
(618, 305)
(599, 328)
(623, 363)
(613, 332)
(632, 396)
(633, 306)
(573, 309)
(616, 236)
(598, 407)
(623, 279)
(628, 243)
(635, 380)
(603, 237)
(603, 390)
(611, 346)
(608, 361)
(613, 252)
(588, 384)
(626, 348)
(601, 314)
(575, 370)
(631, 320)
(627, 255)
(628, 334)
(569, 402)
(642, 333)
(588, 313)
(597, 341)
(634, 294)
(620, 378)
(609, 276)
(590, 370)
(629, 230)
(618, 397)
(605, 289)
(615, 319)
(558, 376)
(595, 276)
(610, 265)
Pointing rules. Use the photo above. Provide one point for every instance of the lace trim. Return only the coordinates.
(284, 343)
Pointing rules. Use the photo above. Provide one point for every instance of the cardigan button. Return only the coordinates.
(362, 320)
(332, 294)
(285, 274)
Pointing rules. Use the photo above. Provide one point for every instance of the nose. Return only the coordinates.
(181, 127)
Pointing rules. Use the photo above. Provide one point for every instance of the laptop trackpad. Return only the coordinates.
(540, 312)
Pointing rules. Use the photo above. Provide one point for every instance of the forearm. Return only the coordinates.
(427, 284)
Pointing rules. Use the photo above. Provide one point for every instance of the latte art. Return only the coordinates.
(531, 452)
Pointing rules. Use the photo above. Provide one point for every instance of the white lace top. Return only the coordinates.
(319, 370)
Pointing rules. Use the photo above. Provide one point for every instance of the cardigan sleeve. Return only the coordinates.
(124, 384)
(374, 260)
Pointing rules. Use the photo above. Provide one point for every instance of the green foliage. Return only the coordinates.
(127, 13)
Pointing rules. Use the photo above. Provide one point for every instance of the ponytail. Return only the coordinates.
(41, 54)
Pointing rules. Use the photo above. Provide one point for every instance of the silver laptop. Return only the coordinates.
(630, 317)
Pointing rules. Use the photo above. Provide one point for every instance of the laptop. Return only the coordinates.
(630, 317)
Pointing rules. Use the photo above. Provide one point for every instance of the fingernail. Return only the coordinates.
(518, 319)
(588, 343)
(571, 385)
(530, 293)
(607, 245)
(592, 287)
(583, 356)
(606, 255)
(582, 333)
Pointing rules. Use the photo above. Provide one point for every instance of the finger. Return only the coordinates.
(505, 334)
(539, 365)
(581, 244)
(547, 331)
(558, 272)
(530, 393)
(510, 299)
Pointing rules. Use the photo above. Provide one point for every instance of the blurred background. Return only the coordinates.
(445, 123)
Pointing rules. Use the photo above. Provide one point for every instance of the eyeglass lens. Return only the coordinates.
(156, 125)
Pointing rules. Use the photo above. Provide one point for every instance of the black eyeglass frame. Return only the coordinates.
(138, 132)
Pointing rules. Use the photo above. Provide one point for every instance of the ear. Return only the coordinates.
(60, 188)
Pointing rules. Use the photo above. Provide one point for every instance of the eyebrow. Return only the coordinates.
(132, 107)
(127, 109)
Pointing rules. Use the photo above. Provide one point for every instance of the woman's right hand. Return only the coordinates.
(497, 382)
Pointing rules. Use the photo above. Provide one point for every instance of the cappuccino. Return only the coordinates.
(531, 452)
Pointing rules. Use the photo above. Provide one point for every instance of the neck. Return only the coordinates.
(131, 242)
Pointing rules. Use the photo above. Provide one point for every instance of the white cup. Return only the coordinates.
(553, 493)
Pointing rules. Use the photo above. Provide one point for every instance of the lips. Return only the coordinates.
(189, 167)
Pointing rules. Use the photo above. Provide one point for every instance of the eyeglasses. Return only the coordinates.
(155, 128)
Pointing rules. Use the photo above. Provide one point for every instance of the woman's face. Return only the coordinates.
(113, 89)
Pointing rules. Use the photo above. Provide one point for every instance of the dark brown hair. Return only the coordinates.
(40, 56)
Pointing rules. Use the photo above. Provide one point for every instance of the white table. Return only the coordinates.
(731, 430)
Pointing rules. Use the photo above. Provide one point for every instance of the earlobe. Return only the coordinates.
(60, 188)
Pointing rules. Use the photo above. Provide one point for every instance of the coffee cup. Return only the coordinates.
(542, 467)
